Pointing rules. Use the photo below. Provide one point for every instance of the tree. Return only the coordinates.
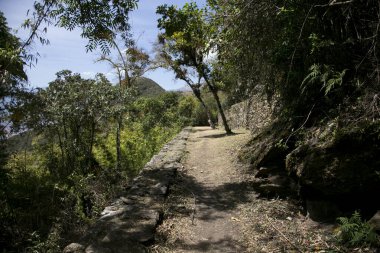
(72, 112)
(305, 53)
(12, 78)
(100, 20)
(12, 74)
(129, 65)
(186, 37)
(165, 60)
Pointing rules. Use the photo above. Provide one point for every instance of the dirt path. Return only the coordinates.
(202, 210)
(213, 207)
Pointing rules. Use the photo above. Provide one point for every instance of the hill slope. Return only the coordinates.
(147, 87)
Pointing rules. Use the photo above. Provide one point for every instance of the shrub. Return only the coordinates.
(354, 232)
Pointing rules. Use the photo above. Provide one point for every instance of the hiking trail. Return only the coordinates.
(208, 193)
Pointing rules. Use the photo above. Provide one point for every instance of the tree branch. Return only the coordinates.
(335, 3)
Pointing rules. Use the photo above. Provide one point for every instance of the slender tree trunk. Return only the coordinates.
(93, 125)
(220, 109)
(225, 123)
(120, 116)
(62, 153)
(90, 148)
(118, 148)
(68, 148)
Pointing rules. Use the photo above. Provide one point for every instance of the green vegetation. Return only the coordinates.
(61, 181)
(318, 57)
(100, 21)
(185, 42)
(354, 232)
(12, 76)
(148, 87)
(317, 62)
(130, 65)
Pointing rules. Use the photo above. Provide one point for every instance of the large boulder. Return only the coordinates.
(266, 153)
(274, 182)
(339, 165)
(267, 148)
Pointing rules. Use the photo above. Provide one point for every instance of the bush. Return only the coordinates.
(354, 232)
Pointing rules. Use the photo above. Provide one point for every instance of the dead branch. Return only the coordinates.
(335, 3)
(303, 124)
(283, 236)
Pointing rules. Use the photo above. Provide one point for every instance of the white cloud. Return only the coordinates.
(111, 76)
(87, 74)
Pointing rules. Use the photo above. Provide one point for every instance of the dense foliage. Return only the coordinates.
(100, 21)
(12, 76)
(185, 41)
(307, 54)
(62, 171)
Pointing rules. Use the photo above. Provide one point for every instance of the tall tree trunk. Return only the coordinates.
(220, 109)
(120, 115)
(118, 148)
(90, 148)
(62, 154)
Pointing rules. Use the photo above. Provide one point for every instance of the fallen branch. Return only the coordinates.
(307, 118)
(283, 236)
(334, 3)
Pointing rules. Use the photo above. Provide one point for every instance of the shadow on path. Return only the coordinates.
(211, 205)
(227, 245)
(209, 200)
(222, 135)
(206, 196)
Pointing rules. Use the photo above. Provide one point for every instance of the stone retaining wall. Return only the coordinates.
(254, 113)
(128, 224)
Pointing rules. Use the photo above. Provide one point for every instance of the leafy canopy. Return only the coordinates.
(185, 33)
(11, 64)
(99, 20)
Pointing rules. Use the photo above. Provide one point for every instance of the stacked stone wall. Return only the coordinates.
(254, 114)
(129, 223)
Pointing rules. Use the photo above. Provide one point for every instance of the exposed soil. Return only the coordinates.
(213, 208)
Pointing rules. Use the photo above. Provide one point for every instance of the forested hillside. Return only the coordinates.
(315, 62)
(148, 87)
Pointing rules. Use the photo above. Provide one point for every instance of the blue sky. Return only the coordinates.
(67, 49)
